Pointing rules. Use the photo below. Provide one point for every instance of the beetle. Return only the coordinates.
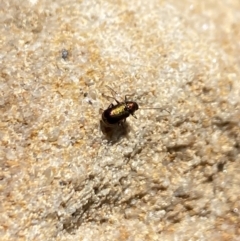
(117, 114)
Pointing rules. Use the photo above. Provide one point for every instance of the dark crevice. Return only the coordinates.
(177, 148)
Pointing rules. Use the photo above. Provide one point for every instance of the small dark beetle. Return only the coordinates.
(117, 114)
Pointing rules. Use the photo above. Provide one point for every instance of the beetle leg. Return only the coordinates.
(110, 97)
(111, 105)
(134, 116)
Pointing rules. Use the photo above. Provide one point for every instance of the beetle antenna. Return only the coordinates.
(154, 108)
(112, 90)
(110, 97)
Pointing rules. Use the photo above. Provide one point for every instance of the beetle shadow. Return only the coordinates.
(116, 133)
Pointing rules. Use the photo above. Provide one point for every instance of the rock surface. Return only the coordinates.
(159, 177)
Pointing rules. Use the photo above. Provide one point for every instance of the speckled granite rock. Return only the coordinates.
(162, 176)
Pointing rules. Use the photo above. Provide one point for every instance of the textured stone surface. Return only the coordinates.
(164, 177)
